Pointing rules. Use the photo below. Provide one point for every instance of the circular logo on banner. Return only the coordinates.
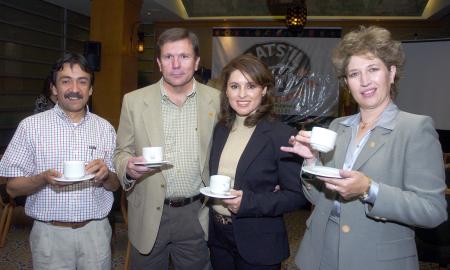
(284, 60)
(290, 66)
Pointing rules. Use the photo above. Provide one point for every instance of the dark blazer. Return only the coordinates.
(259, 229)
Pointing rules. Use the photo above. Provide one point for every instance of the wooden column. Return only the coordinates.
(114, 24)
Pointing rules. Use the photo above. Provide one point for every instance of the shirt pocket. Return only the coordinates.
(97, 152)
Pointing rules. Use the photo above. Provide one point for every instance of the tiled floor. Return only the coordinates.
(16, 253)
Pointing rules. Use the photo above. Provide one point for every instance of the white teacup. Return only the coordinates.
(220, 184)
(153, 154)
(73, 169)
(322, 139)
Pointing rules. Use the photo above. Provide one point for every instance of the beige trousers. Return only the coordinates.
(85, 248)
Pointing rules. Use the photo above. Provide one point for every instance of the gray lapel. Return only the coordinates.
(376, 141)
(342, 142)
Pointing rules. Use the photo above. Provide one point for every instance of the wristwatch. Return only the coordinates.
(363, 197)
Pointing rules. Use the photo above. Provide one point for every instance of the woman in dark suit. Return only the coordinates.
(248, 232)
(391, 168)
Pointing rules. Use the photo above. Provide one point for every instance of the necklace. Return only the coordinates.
(364, 124)
(368, 124)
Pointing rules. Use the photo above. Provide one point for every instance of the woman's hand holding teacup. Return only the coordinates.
(301, 146)
(234, 204)
(351, 185)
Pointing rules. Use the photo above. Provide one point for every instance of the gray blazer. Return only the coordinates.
(407, 163)
(141, 125)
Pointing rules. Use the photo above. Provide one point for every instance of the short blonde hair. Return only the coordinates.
(369, 40)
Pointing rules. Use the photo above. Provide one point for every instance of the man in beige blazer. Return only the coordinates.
(165, 212)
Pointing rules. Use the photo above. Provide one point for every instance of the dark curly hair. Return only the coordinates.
(259, 73)
(369, 40)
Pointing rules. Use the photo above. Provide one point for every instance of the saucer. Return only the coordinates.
(84, 178)
(207, 192)
(152, 164)
(322, 171)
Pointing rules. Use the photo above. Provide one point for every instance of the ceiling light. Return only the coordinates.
(296, 15)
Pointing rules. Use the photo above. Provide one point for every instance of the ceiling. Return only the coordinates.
(179, 10)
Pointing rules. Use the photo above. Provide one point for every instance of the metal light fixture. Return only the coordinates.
(140, 42)
(296, 15)
(136, 39)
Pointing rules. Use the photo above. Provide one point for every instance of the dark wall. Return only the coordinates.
(34, 34)
(444, 138)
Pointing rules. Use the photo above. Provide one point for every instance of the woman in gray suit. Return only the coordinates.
(390, 162)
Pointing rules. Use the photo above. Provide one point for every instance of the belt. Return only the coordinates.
(73, 225)
(221, 219)
(178, 202)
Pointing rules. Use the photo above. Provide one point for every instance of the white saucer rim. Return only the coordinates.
(146, 163)
(308, 169)
(207, 192)
(84, 178)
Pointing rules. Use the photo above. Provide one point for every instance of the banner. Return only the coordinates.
(306, 88)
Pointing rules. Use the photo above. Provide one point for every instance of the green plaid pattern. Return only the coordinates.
(181, 145)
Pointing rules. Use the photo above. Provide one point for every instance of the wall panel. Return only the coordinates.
(34, 34)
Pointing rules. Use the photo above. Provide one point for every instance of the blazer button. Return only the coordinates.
(162, 185)
(158, 208)
(345, 229)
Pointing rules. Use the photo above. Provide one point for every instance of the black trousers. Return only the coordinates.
(224, 253)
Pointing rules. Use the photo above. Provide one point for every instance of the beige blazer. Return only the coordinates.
(141, 125)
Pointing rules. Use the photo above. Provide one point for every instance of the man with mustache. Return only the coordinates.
(70, 229)
(179, 114)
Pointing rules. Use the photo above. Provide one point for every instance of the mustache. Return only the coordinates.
(73, 95)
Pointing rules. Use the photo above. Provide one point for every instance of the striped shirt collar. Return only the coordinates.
(63, 115)
(386, 118)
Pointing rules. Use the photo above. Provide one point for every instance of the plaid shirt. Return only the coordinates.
(181, 145)
(44, 141)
